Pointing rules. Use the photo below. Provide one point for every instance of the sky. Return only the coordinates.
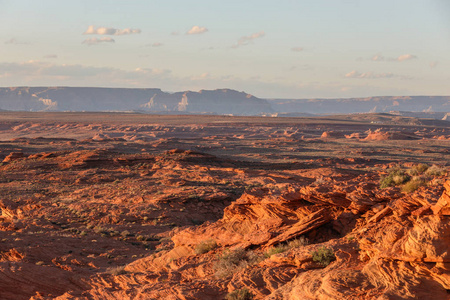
(268, 48)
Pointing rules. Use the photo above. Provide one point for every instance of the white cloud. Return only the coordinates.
(406, 57)
(297, 49)
(245, 40)
(110, 31)
(197, 30)
(96, 41)
(368, 75)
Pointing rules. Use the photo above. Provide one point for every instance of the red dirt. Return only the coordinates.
(102, 210)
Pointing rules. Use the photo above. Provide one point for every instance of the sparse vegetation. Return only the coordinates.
(242, 294)
(275, 250)
(418, 169)
(323, 255)
(119, 270)
(300, 242)
(205, 246)
(435, 170)
(232, 261)
(411, 179)
(413, 185)
(396, 176)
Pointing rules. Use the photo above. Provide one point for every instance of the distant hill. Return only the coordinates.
(220, 101)
(363, 105)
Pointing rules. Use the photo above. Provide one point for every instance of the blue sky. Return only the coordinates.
(284, 49)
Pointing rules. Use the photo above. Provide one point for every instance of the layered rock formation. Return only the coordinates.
(223, 101)
(219, 101)
(369, 104)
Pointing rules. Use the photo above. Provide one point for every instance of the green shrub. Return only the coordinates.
(205, 246)
(242, 294)
(418, 169)
(233, 261)
(413, 185)
(300, 242)
(396, 176)
(435, 170)
(323, 255)
(275, 250)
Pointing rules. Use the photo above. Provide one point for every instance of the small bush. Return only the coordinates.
(435, 170)
(396, 176)
(119, 270)
(275, 250)
(323, 256)
(205, 246)
(242, 294)
(418, 169)
(413, 185)
(300, 242)
(231, 262)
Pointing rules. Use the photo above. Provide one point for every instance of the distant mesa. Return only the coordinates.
(219, 101)
(435, 107)
(222, 101)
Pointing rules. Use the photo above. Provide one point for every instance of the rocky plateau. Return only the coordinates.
(134, 206)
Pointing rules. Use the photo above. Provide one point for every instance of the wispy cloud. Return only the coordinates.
(368, 75)
(401, 58)
(197, 30)
(36, 71)
(202, 76)
(405, 57)
(153, 45)
(297, 49)
(245, 40)
(110, 31)
(96, 41)
(377, 57)
(14, 41)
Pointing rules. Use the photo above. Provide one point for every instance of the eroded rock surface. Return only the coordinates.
(104, 210)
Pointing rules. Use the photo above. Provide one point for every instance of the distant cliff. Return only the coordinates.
(363, 105)
(222, 101)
